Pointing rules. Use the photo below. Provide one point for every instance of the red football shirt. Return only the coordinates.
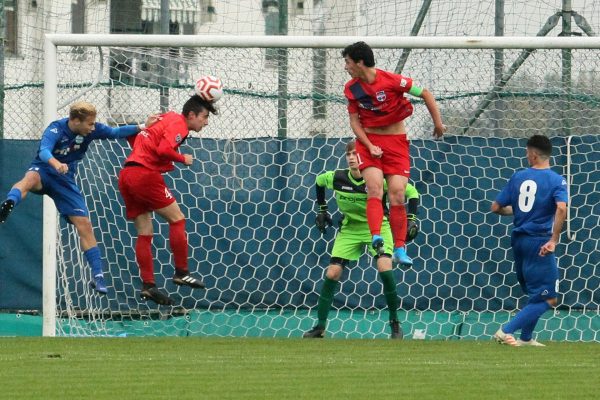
(155, 147)
(382, 102)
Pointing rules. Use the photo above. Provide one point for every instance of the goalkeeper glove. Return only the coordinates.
(412, 229)
(323, 219)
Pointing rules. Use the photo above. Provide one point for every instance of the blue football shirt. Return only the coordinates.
(69, 148)
(533, 194)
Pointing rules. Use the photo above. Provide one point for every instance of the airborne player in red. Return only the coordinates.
(377, 109)
(144, 191)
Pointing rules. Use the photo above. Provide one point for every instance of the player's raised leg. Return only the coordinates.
(143, 256)
(31, 181)
(91, 252)
(374, 183)
(13, 198)
(179, 246)
(5, 209)
(396, 191)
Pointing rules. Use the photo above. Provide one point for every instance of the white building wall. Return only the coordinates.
(249, 109)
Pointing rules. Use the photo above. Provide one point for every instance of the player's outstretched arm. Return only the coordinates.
(106, 132)
(151, 120)
(438, 127)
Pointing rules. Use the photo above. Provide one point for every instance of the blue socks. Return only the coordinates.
(14, 195)
(95, 260)
(527, 330)
(526, 319)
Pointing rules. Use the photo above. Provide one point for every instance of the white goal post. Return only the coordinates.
(51, 92)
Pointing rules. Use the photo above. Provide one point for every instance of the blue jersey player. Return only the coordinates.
(52, 172)
(537, 198)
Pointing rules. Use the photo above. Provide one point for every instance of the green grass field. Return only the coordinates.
(234, 368)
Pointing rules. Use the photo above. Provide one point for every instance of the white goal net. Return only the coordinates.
(250, 202)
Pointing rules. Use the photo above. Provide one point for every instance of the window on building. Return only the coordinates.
(208, 11)
(270, 9)
(143, 17)
(125, 17)
(78, 16)
(78, 26)
(11, 27)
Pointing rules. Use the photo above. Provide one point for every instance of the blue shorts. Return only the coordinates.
(537, 275)
(63, 190)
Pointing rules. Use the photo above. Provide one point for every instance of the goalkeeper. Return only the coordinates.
(354, 236)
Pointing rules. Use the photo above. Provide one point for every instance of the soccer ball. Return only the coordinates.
(210, 88)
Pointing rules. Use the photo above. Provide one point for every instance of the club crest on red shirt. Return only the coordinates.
(380, 96)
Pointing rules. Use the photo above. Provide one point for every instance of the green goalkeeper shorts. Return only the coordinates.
(351, 240)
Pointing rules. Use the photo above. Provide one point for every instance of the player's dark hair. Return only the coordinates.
(360, 51)
(541, 143)
(351, 145)
(197, 104)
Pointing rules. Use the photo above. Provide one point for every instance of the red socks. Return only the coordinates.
(397, 220)
(398, 224)
(374, 215)
(143, 255)
(179, 245)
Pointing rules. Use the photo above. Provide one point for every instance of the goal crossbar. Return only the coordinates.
(447, 42)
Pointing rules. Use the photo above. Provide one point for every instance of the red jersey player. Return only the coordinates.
(377, 109)
(144, 191)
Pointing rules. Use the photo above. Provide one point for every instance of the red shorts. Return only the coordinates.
(143, 190)
(395, 159)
